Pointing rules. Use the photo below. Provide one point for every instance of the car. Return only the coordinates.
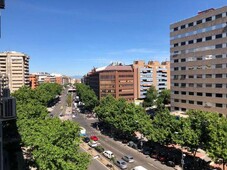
(86, 139)
(93, 144)
(61, 114)
(73, 116)
(162, 157)
(108, 154)
(128, 158)
(139, 168)
(121, 164)
(146, 151)
(170, 163)
(94, 138)
(132, 144)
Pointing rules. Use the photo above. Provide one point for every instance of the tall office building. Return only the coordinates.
(199, 62)
(15, 67)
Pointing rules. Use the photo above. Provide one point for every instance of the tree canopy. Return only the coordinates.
(54, 144)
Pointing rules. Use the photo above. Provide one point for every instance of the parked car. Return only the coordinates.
(170, 163)
(94, 138)
(121, 164)
(86, 139)
(92, 144)
(146, 151)
(139, 168)
(108, 154)
(132, 144)
(128, 158)
(154, 154)
(162, 157)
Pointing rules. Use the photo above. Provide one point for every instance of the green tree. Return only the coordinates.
(151, 97)
(87, 95)
(163, 99)
(217, 143)
(57, 148)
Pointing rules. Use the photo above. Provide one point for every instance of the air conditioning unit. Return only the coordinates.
(208, 105)
(8, 108)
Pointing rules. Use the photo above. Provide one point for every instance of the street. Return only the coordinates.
(118, 148)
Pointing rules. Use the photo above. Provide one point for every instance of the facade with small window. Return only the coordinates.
(116, 80)
(199, 54)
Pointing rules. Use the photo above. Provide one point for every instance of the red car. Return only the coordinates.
(94, 138)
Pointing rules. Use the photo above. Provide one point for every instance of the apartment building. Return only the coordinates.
(14, 67)
(146, 75)
(199, 62)
(115, 79)
(33, 81)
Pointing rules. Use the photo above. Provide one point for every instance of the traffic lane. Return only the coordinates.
(57, 109)
(119, 149)
(95, 163)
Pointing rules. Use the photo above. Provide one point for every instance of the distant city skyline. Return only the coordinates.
(71, 38)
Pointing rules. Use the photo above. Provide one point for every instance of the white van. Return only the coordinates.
(108, 154)
(139, 168)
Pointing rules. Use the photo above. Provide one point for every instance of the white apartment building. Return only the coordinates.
(14, 68)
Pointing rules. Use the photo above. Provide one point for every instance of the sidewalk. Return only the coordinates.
(98, 156)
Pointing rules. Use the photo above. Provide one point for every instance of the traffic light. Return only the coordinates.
(2, 4)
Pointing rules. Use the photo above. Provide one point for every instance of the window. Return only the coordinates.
(218, 105)
(199, 94)
(218, 76)
(183, 43)
(175, 45)
(208, 76)
(218, 36)
(208, 38)
(199, 58)
(182, 26)
(199, 103)
(183, 68)
(218, 66)
(199, 40)
(183, 92)
(218, 16)
(176, 92)
(190, 24)
(183, 101)
(191, 93)
(199, 85)
(218, 46)
(209, 85)
(183, 60)
(175, 68)
(218, 56)
(199, 22)
(191, 76)
(176, 108)
(199, 76)
(176, 84)
(190, 42)
(191, 85)
(218, 95)
(208, 19)
(175, 29)
(175, 77)
(176, 100)
(218, 85)
(183, 77)
(183, 109)
(191, 102)
(175, 61)
(208, 94)
(183, 85)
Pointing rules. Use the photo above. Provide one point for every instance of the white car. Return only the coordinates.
(139, 168)
(92, 144)
(108, 154)
(73, 116)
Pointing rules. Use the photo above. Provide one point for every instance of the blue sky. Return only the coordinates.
(73, 36)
